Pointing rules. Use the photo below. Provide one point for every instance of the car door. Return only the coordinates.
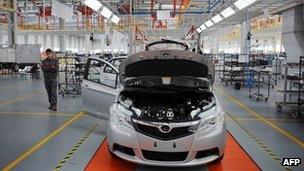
(99, 90)
(108, 73)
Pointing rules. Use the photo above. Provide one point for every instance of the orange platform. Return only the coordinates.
(235, 159)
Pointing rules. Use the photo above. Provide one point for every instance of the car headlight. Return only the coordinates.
(121, 116)
(209, 119)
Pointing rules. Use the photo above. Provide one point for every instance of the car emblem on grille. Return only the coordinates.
(165, 128)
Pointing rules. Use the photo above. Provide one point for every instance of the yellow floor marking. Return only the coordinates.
(287, 134)
(37, 113)
(41, 142)
(20, 98)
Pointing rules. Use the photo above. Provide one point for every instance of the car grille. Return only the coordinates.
(155, 133)
(164, 156)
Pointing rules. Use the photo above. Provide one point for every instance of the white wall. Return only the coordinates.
(73, 43)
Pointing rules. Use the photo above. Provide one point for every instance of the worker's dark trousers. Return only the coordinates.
(51, 88)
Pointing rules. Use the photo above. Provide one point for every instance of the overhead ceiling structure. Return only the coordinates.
(177, 19)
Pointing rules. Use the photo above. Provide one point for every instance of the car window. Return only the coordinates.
(116, 62)
(107, 69)
(97, 71)
(94, 70)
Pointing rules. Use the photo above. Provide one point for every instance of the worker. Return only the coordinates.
(50, 68)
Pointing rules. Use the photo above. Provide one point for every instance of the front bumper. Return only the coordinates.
(206, 140)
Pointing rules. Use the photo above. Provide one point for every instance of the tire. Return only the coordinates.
(21, 66)
(295, 114)
(15, 67)
(279, 108)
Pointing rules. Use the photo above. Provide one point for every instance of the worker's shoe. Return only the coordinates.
(54, 108)
(50, 107)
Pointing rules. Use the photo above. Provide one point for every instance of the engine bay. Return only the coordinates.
(167, 107)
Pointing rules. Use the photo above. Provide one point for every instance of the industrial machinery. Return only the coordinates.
(290, 94)
(71, 71)
(20, 56)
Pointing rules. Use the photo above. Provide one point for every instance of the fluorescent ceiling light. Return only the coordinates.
(217, 18)
(209, 23)
(106, 12)
(203, 27)
(241, 4)
(94, 4)
(115, 19)
(198, 30)
(228, 12)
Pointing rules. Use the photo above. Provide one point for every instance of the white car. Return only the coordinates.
(161, 108)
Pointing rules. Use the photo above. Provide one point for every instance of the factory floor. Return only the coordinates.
(34, 138)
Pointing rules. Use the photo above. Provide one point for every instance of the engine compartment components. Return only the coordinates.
(168, 107)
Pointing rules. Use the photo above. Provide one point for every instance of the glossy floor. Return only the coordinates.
(34, 138)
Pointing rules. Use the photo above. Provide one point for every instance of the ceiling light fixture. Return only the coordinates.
(209, 23)
(203, 27)
(241, 4)
(94, 4)
(106, 12)
(217, 18)
(228, 12)
(115, 19)
(198, 30)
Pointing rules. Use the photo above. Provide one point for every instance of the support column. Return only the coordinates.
(131, 29)
(215, 44)
(293, 33)
(62, 45)
(12, 25)
(87, 43)
(26, 39)
(52, 41)
(245, 39)
(44, 45)
(36, 39)
(1, 39)
(199, 43)
(79, 48)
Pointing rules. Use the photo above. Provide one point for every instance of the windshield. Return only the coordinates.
(187, 82)
(167, 44)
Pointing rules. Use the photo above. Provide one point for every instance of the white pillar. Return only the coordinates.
(215, 44)
(87, 43)
(12, 24)
(62, 42)
(293, 33)
(45, 42)
(52, 41)
(26, 39)
(1, 39)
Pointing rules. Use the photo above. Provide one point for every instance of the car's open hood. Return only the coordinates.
(167, 63)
